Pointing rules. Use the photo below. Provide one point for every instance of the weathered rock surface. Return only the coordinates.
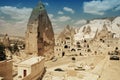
(67, 32)
(40, 35)
(99, 28)
(6, 41)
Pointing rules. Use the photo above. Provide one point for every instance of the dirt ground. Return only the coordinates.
(111, 70)
(106, 69)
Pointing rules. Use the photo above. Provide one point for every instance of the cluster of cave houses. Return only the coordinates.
(102, 43)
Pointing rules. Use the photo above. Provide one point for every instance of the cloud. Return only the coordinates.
(16, 13)
(99, 7)
(16, 28)
(117, 8)
(50, 16)
(69, 10)
(80, 22)
(16, 21)
(59, 18)
(60, 12)
(64, 18)
(47, 4)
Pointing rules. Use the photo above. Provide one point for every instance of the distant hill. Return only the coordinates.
(90, 29)
(13, 37)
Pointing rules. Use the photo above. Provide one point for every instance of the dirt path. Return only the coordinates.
(111, 70)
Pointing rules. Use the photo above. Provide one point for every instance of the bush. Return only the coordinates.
(2, 52)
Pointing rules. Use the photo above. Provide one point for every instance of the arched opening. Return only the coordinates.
(73, 50)
(85, 41)
(79, 46)
(63, 54)
(78, 42)
(95, 52)
(89, 50)
(24, 73)
(68, 38)
(81, 54)
(65, 46)
(87, 45)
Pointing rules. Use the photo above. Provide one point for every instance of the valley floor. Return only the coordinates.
(83, 68)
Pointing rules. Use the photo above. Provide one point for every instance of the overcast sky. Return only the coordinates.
(14, 14)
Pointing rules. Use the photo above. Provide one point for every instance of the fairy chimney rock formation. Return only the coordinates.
(6, 41)
(39, 34)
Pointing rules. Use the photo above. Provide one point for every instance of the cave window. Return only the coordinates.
(73, 50)
(24, 73)
(85, 41)
(78, 49)
(65, 42)
(78, 46)
(38, 34)
(89, 50)
(63, 54)
(116, 48)
(68, 38)
(59, 49)
(103, 41)
(87, 45)
(78, 42)
(66, 46)
(95, 52)
(80, 54)
(100, 39)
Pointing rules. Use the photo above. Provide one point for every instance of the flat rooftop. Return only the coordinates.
(31, 61)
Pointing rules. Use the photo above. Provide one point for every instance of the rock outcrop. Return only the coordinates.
(87, 30)
(6, 41)
(67, 32)
(40, 35)
(99, 28)
(104, 34)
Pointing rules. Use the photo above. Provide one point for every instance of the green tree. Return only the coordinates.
(2, 52)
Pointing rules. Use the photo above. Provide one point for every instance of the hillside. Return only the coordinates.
(95, 26)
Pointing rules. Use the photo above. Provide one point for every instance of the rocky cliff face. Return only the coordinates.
(67, 32)
(40, 35)
(99, 28)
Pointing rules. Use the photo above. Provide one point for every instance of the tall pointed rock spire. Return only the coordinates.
(40, 35)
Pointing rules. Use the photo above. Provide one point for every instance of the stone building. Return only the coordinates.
(6, 69)
(58, 48)
(64, 42)
(31, 69)
(101, 44)
(39, 34)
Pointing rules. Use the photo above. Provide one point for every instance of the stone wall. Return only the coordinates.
(37, 71)
(6, 69)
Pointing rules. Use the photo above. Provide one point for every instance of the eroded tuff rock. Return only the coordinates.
(67, 32)
(39, 35)
(99, 29)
